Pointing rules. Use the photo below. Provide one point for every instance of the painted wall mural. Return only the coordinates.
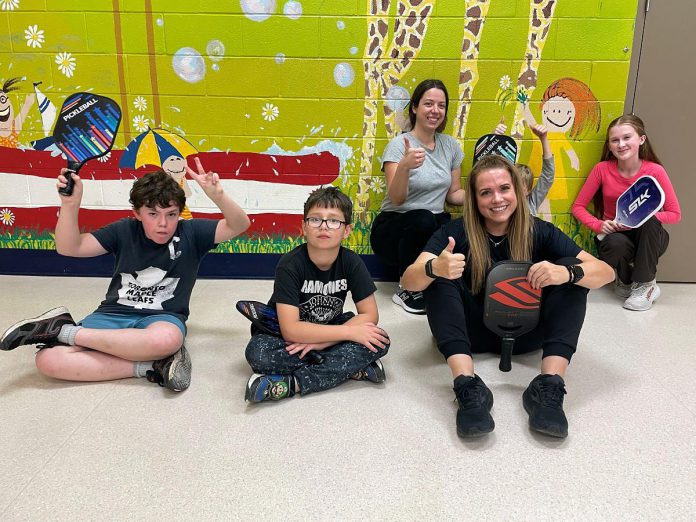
(281, 97)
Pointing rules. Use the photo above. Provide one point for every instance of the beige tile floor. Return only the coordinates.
(130, 450)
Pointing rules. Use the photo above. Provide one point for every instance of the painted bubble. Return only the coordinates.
(258, 10)
(292, 9)
(189, 65)
(215, 67)
(160, 22)
(215, 50)
(341, 25)
(343, 74)
(280, 58)
(397, 98)
(353, 50)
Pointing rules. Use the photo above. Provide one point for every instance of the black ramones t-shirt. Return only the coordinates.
(320, 294)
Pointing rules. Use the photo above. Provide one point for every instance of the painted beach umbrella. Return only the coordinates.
(154, 146)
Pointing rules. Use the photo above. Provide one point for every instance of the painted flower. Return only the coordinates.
(522, 94)
(140, 103)
(34, 36)
(141, 123)
(505, 82)
(269, 112)
(7, 217)
(9, 5)
(105, 157)
(66, 64)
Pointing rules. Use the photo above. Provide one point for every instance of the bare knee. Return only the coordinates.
(165, 341)
(50, 361)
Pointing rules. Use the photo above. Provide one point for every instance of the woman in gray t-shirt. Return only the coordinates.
(422, 169)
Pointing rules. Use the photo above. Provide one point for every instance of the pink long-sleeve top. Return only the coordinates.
(606, 175)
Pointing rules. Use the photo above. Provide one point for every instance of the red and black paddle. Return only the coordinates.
(511, 306)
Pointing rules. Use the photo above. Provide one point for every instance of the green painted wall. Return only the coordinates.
(294, 74)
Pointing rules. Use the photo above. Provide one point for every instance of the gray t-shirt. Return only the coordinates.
(543, 185)
(428, 184)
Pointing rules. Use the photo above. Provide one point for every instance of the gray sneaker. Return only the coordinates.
(642, 296)
(173, 372)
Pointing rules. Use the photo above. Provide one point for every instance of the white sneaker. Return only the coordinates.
(622, 289)
(642, 296)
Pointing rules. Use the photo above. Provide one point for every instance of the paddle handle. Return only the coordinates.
(73, 167)
(506, 354)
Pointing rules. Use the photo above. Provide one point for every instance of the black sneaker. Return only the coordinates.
(412, 302)
(268, 387)
(543, 401)
(373, 372)
(43, 330)
(173, 372)
(475, 403)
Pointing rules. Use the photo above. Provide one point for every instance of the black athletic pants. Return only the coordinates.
(641, 247)
(456, 320)
(398, 238)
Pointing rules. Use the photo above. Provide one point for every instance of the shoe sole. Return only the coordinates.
(474, 433)
(397, 300)
(552, 433)
(179, 374)
(657, 293)
(54, 312)
(248, 395)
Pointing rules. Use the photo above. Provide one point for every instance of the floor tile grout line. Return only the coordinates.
(52, 455)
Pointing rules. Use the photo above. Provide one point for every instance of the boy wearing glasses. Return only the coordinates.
(311, 285)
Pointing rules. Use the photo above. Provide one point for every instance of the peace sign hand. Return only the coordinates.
(208, 181)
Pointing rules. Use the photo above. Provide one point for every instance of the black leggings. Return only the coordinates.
(634, 253)
(456, 320)
(398, 238)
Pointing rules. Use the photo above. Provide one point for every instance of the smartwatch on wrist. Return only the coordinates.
(429, 268)
(576, 273)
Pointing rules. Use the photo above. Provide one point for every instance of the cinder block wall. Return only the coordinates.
(323, 82)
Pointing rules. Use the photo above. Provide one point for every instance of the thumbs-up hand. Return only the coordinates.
(448, 264)
(413, 156)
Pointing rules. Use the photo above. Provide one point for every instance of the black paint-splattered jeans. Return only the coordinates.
(267, 354)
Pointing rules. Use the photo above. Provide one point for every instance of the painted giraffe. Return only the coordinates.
(540, 17)
(380, 74)
(476, 11)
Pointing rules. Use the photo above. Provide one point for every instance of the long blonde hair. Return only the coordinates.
(519, 230)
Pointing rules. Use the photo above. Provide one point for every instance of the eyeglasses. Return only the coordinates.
(331, 224)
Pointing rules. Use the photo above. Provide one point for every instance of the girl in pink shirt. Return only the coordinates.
(633, 252)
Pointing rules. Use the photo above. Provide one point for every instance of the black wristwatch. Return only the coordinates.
(429, 268)
(576, 273)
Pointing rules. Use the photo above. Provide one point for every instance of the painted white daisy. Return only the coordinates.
(141, 123)
(505, 82)
(105, 157)
(9, 5)
(269, 112)
(34, 36)
(7, 218)
(140, 103)
(66, 64)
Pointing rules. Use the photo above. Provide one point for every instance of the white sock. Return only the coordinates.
(140, 368)
(67, 334)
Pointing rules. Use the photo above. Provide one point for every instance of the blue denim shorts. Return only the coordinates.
(108, 321)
